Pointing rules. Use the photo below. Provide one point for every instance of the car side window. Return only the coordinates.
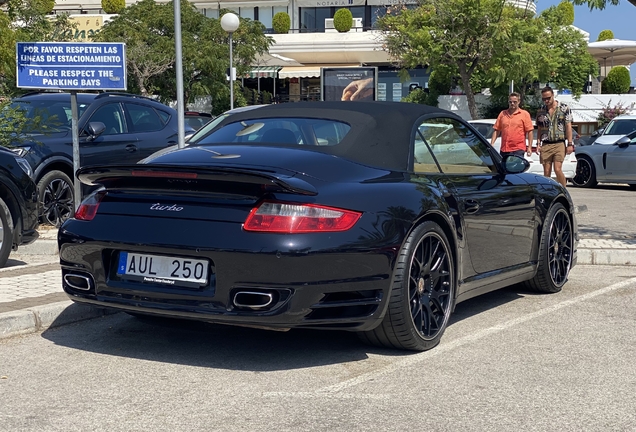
(143, 118)
(455, 147)
(423, 160)
(164, 116)
(112, 117)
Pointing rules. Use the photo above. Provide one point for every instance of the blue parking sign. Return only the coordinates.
(71, 65)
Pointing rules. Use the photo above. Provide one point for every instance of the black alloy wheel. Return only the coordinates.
(56, 198)
(585, 175)
(6, 233)
(429, 286)
(555, 253)
(422, 293)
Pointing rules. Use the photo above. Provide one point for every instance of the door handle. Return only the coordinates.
(471, 206)
(131, 148)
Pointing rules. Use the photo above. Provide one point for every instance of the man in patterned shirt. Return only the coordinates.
(554, 134)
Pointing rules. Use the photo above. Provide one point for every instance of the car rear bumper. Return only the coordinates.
(329, 288)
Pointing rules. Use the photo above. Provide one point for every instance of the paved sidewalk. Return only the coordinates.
(31, 296)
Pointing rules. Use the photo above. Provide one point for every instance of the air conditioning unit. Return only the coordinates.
(357, 25)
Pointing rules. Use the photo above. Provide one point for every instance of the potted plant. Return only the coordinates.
(343, 20)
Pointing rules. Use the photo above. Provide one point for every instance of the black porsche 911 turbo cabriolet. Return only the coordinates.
(370, 217)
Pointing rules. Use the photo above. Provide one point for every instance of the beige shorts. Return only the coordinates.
(553, 152)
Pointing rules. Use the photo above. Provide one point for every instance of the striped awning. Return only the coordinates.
(263, 72)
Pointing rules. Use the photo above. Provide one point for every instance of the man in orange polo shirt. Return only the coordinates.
(515, 127)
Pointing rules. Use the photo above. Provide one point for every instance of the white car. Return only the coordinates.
(618, 127)
(485, 128)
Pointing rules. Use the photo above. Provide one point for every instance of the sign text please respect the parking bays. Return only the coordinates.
(71, 66)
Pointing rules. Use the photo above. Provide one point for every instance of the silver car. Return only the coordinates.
(610, 163)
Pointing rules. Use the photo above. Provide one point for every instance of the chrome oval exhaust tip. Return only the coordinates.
(78, 282)
(253, 299)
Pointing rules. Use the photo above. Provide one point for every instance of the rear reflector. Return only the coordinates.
(88, 208)
(161, 174)
(299, 218)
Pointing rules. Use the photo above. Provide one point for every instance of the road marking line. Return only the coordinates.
(441, 349)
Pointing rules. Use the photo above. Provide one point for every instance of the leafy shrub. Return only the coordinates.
(605, 35)
(281, 23)
(113, 6)
(567, 12)
(45, 6)
(343, 20)
(609, 112)
(617, 81)
(418, 96)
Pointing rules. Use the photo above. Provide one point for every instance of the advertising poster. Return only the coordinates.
(349, 84)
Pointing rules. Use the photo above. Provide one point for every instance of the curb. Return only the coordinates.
(48, 316)
(612, 257)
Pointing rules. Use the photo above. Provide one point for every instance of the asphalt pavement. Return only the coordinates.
(31, 296)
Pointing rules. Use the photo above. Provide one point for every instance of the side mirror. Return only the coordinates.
(95, 129)
(515, 164)
(623, 142)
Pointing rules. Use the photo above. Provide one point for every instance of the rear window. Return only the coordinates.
(291, 131)
(47, 115)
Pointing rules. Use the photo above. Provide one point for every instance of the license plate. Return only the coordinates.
(163, 269)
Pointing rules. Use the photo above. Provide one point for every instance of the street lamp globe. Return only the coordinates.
(230, 22)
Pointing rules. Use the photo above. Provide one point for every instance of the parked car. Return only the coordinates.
(357, 216)
(113, 128)
(485, 127)
(201, 133)
(196, 120)
(618, 127)
(18, 204)
(614, 163)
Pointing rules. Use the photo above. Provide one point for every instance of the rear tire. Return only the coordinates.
(555, 252)
(422, 293)
(585, 175)
(57, 197)
(6, 233)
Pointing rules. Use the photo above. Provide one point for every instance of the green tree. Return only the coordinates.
(600, 4)
(149, 26)
(605, 35)
(113, 6)
(459, 34)
(540, 49)
(567, 63)
(566, 10)
(617, 81)
(27, 21)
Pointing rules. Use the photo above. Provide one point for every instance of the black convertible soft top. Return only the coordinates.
(380, 132)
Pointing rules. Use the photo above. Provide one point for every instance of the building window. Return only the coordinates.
(246, 12)
(210, 13)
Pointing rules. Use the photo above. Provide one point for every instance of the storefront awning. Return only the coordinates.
(307, 71)
(263, 72)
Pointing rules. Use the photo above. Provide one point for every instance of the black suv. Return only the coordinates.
(114, 128)
(18, 204)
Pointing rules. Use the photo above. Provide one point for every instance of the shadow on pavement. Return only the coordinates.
(230, 347)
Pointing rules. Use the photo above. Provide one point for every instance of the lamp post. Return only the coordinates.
(230, 22)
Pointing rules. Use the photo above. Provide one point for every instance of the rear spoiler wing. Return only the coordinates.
(127, 176)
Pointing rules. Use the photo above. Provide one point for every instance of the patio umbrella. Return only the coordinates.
(619, 52)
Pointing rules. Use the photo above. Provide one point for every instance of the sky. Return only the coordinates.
(619, 19)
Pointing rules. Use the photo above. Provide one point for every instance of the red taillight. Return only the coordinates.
(88, 208)
(299, 218)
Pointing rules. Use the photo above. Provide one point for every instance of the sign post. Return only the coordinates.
(71, 66)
